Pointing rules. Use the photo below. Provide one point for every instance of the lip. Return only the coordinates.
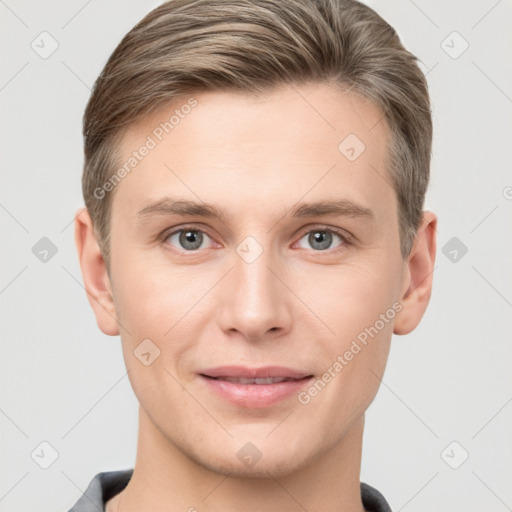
(254, 395)
(254, 373)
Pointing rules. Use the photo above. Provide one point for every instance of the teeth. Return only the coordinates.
(263, 380)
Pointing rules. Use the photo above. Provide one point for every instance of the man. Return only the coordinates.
(254, 231)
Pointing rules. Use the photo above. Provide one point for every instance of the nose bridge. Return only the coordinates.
(256, 301)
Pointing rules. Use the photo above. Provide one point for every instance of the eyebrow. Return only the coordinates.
(340, 208)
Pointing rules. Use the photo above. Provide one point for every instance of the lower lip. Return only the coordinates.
(255, 395)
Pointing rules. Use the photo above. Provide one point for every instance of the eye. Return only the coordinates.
(321, 239)
(188, 239)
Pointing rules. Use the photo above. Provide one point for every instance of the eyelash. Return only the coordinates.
(346, 237)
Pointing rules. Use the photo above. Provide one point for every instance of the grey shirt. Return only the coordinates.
(107, 484)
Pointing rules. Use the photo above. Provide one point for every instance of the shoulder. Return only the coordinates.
(373, 500)
(102, 487)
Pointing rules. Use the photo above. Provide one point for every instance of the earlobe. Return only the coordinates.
(94, 274)
(418, 276)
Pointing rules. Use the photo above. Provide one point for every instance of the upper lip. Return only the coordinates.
(254, 373)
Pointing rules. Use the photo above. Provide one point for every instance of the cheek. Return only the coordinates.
(161, 308)
(154, 298)
(350, 380)
(349, 298)
(358, 310)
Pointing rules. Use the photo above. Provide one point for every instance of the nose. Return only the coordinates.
(255, 302)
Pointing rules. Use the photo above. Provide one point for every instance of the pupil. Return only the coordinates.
(321, 238)
(191, 239)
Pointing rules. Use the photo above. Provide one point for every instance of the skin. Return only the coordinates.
(296, 305)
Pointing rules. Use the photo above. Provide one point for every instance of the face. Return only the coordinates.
(257, 232)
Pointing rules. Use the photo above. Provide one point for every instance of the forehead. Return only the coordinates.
(311, 139)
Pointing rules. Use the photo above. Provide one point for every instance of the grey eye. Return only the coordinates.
(188, 239)
(320, 239)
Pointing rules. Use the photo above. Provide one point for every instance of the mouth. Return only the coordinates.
(254, 387)
(259, 381)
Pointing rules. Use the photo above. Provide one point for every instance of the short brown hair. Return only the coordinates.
(252, 46)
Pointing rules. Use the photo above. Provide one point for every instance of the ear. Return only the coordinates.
(418, 276)
(94, 274)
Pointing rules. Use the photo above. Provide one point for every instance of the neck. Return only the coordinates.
(165, 478)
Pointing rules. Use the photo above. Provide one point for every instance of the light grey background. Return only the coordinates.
(63, 382)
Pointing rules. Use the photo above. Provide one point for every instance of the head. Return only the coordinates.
(254, 111)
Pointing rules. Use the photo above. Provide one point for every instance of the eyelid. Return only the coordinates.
(347, 237)
(176, 229)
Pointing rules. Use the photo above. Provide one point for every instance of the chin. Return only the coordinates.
(274, 467)
(262, 458)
